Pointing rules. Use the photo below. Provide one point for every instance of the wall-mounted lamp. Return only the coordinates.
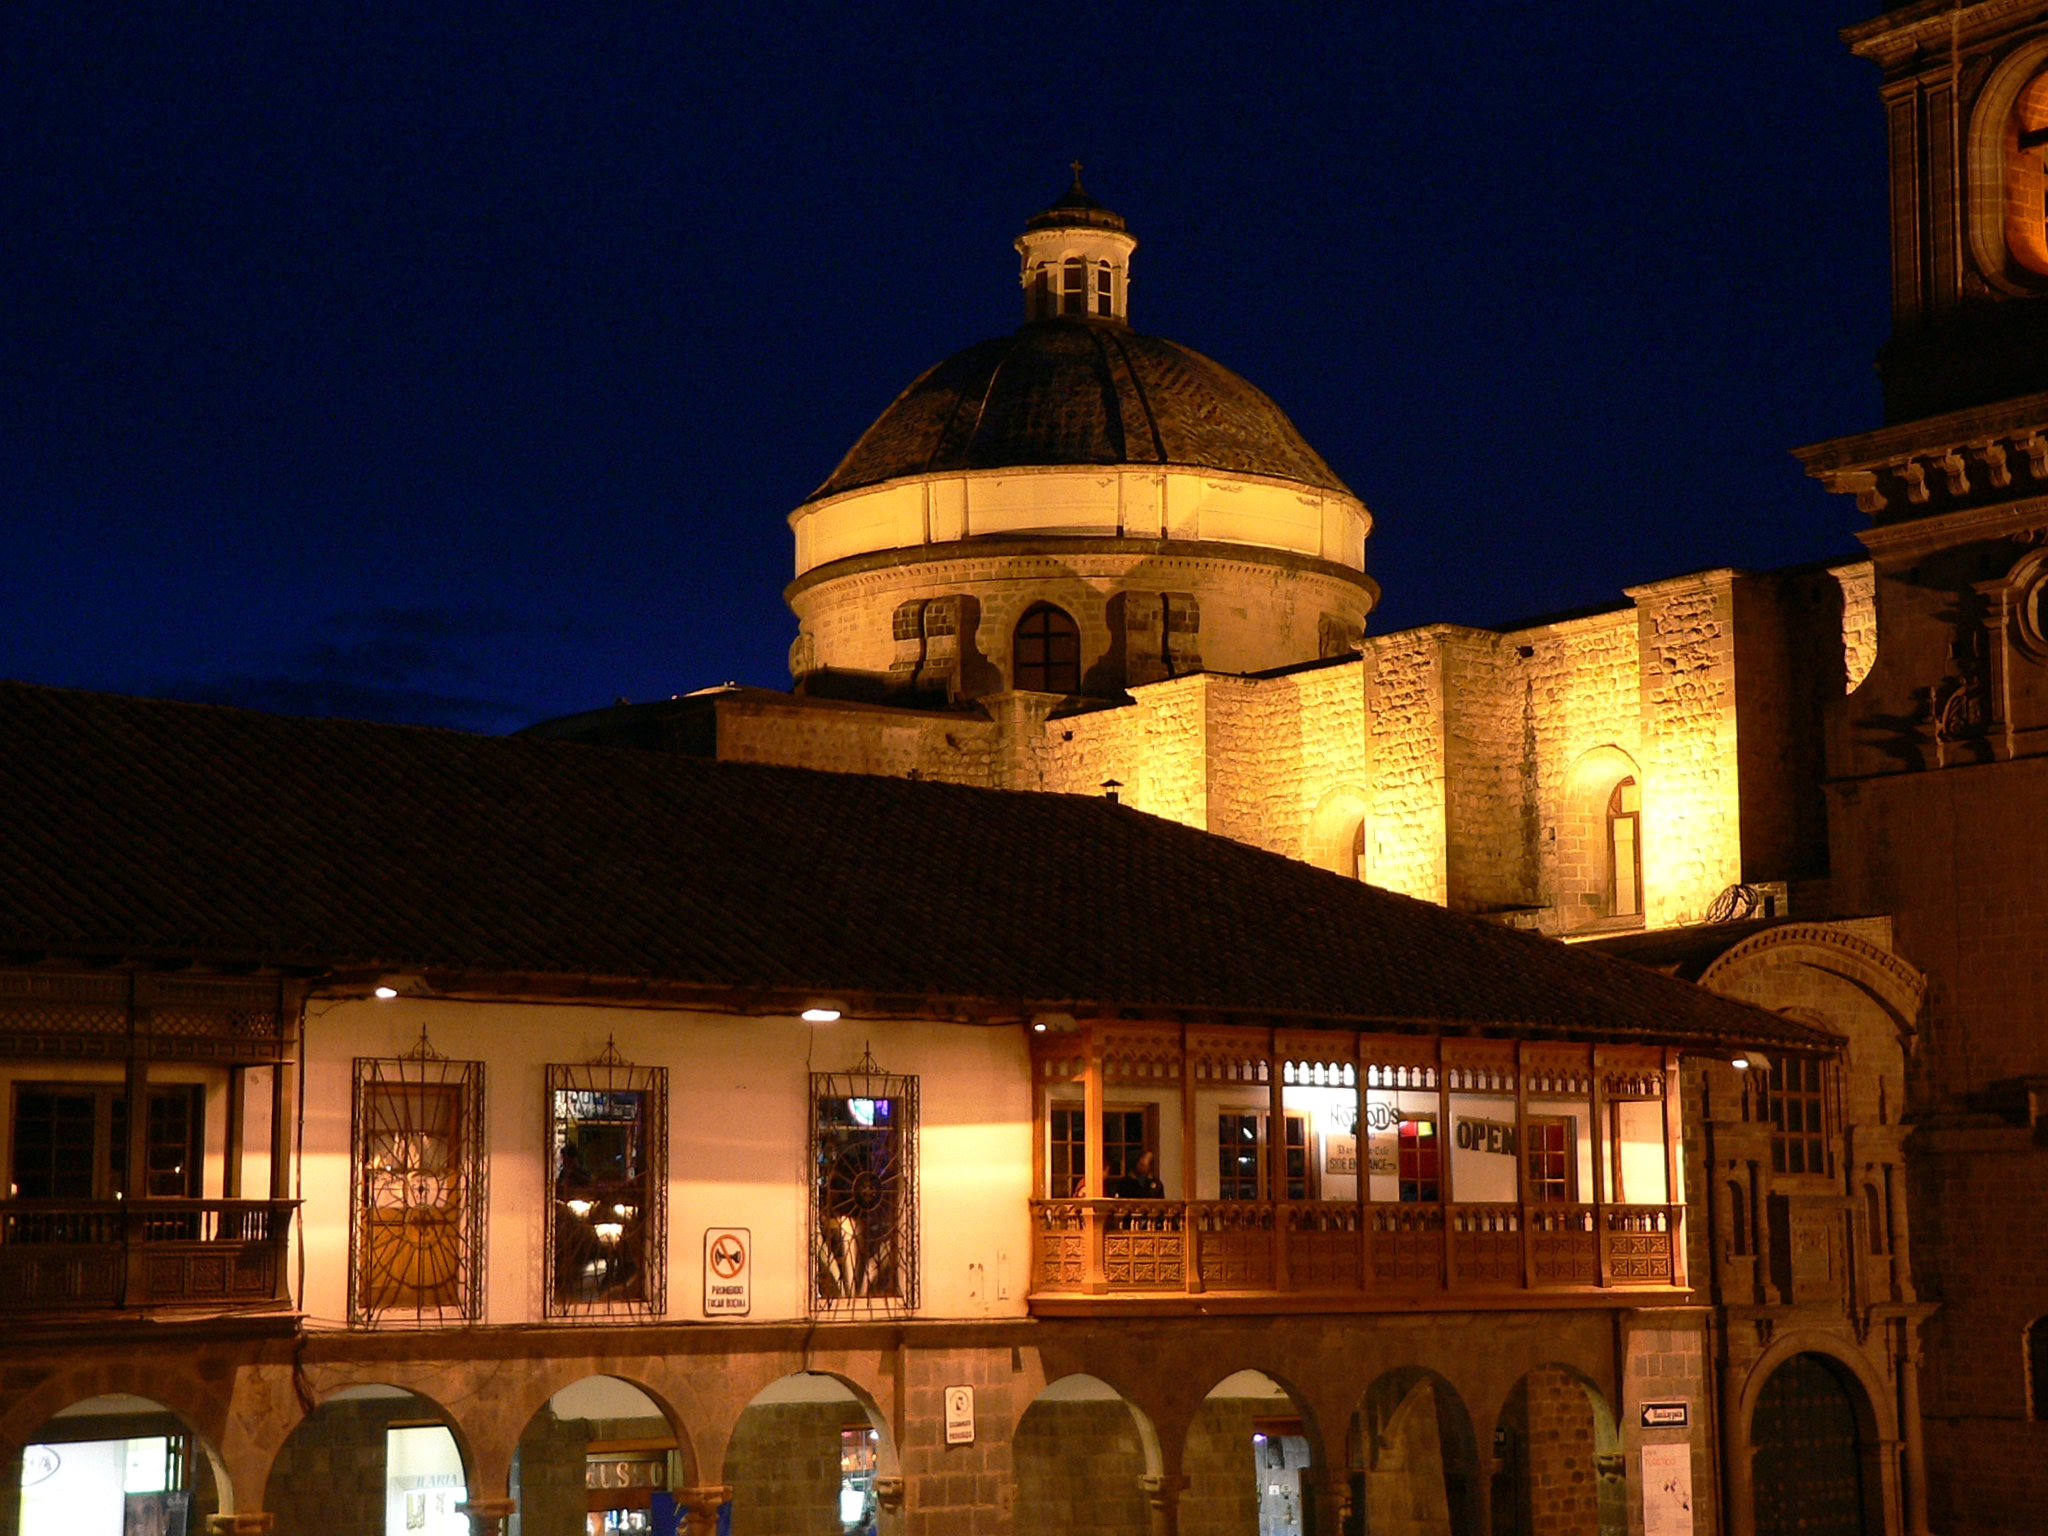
(820, 1015)
(386, 993)
(1740, 1063)
(1038, 1028)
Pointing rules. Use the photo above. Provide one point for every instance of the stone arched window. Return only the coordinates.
(2037, 1368)
(1074, 295)
(2026, 176)
(1625, 850)
(1045, 652)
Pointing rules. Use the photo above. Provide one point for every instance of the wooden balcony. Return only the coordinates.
(89, 1256)
(1343, 1254)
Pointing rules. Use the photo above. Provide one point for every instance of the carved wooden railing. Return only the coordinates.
(72, 1255)
(1091, 1247)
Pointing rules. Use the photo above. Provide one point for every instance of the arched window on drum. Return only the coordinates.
(1045, 652)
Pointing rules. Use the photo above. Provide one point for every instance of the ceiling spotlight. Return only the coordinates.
(387, 993)
(1740, 1063)
(820, 1015)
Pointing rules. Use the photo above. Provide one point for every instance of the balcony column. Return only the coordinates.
(1094, 1274)
(135, 1167)
(1276, 1157)
(1522, 1165)
(1601, 1172)
(235, 1133)
(1447, 1245)
(1674, 1167)
(1190, 1164)
(1359, 1132)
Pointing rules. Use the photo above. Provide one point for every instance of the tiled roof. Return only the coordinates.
(147, 829)
(1079, 392)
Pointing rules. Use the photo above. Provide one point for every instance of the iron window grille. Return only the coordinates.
(416, 1228)
(607, 1207)
(863, 1237)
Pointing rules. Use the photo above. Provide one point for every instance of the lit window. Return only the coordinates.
(1553, 1169)
(1075, 297)
(1624, 849)
(863, 1189)
(1239, 1164)
(2026, 177)
(607, 1211)
(1104, 293)
(1416, 1159)
(1046, 651)
(1799, 1142)
(416, 1237)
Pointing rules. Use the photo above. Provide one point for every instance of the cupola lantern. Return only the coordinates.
(1076, 260)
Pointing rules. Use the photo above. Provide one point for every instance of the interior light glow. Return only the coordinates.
(387, 993)
(580, 1207)
(820, 1015)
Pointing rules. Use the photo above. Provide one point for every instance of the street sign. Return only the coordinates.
(728, 1271)
(1666, 1415)
(959, 1415)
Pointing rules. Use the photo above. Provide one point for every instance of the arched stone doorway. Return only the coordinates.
(599, 1457)
(1253, 1461)
(1081, 1454)
(1558, 1464)
(810, 1458)
(1808, 1472)
(372, 1457)
(1414, 1459)
(114, 1465)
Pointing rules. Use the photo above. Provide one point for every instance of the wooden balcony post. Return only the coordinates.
(1095, 1277)
(235, 1132)
(1449, 1279)
(1674, 1205)
(1190, 1168)
(1522, 1162)
(1364, 1186)
(1276, 1155)
(1600, 1172)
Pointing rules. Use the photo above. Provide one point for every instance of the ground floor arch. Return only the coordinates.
(1813, 1466)
(371, 1458)
(118, 1464)
(1414, 1459)
(810, 1456)
(599, 1457)
(1558, 1466)
(1082, 1454)
(1252, 1462)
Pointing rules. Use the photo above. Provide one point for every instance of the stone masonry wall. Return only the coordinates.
(1489, 772)
(1078, 1471)
(1859, 619)
(329, 1478)
(961, 1490)
(1564, 1485)
(1667, 1365)
(550, 1480)
(1405, 836)
(1222, 1496)
(783, 1465)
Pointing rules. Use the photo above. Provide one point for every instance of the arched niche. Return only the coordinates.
(116, 1463)
(1253, 1459)
(1082, 1452)
(810, 1449)
(1557, 1458)
(1339, 834)
(1414, 1459)
(599, 1443)
(368, 1455)
(1590, 868)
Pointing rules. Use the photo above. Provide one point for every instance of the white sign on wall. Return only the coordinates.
(959, 1415)
(728, 1271)
(1667, 1490)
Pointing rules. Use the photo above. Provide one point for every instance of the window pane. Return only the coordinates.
(601, 1204)
(414, 1192)
(858, 1160)
(53, 1144)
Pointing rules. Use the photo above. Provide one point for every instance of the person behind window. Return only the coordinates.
(1141, 1182)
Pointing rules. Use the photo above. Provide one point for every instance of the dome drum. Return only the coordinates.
(945, 621)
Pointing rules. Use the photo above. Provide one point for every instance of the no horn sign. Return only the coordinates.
(728, 1271)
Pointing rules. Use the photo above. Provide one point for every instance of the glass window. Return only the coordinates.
(1041, 295)
(1553, 1161)
(1416, 1158)
(1104, 294)
(1297, 1157)
(1799, 1142)
(1624, 848)
(1075, 297)
(71, 1141)
(607, 1135)
(1046, 651)
(1067, 1170)
(863, 1188)
(417, 1236)
(1238, 1145)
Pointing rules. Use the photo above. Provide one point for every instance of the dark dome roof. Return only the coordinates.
(1079, 392)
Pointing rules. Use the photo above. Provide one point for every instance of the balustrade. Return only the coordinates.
(1086, 1247)
(89, 1255)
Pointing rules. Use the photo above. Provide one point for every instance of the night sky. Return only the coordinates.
(459, 363)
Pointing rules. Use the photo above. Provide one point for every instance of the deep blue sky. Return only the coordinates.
(460, 363)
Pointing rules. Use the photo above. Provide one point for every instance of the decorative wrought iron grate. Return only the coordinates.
(416, 1229)
(863, 1191)
(607, 1209)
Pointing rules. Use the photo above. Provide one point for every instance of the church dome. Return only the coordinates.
(1079, 391)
